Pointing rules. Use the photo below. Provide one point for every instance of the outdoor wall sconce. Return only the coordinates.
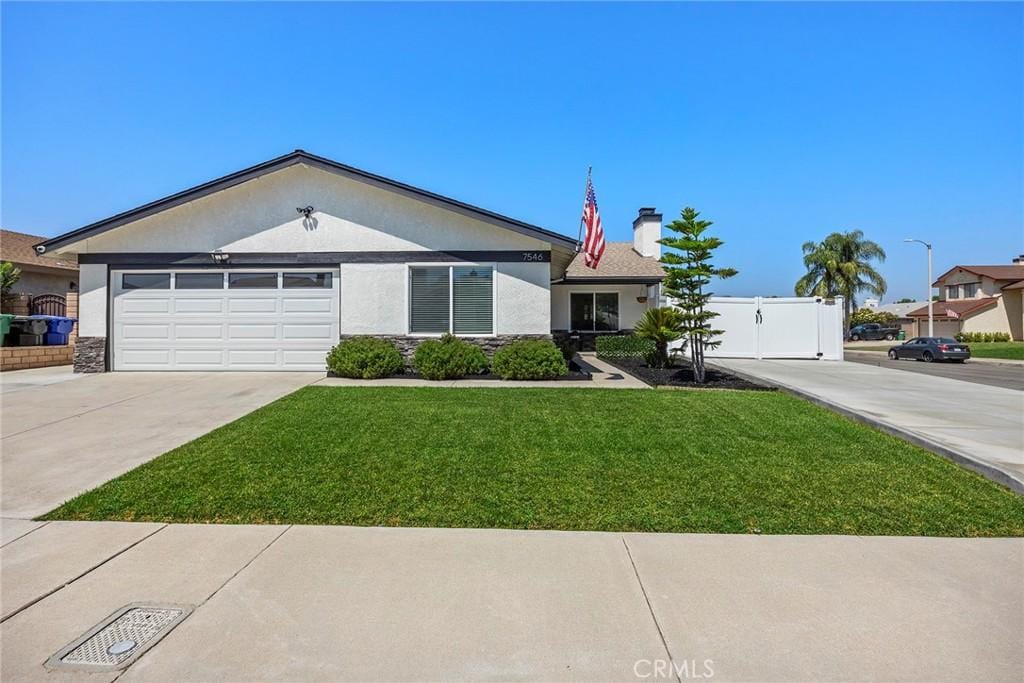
(641, 299)
(220, 257)
(306, 211)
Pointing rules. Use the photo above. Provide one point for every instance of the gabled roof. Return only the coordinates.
(1011, 272)
(958, 307)
(19, 249)
(302, 157)
(620, 263)
(1014, 285)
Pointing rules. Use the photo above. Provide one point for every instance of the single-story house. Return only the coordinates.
(907, 324)
(39, 275)
(267, 268)
(977, 299)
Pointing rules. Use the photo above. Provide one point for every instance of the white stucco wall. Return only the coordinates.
(991, 319)
(523, 298)
(260, 216)
(630, 310)
(375, 298)
(92, 300)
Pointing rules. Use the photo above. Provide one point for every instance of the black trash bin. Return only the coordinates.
(27, 331)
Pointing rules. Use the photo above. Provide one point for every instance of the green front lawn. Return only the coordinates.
(699, 461)
(1009, 350)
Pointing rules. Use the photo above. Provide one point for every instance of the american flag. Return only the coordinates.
(593, 242)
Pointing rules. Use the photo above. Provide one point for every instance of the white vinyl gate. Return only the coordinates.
(778, 327)
(236, 319)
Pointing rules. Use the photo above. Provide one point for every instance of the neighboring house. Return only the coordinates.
(977, 299)
(39, 274)
(902, 313)
(266, 268)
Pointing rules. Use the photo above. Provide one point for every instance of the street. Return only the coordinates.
(992, 374)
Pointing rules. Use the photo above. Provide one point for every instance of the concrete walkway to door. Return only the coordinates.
(61, 438)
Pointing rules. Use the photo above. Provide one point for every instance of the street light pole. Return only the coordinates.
(931, 319)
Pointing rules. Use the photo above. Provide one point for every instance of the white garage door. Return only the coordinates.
(252, 319)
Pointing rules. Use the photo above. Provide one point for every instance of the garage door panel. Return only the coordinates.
(252, 305)
(194, 306)
(252, 357)
(185, 332)
(306, 305)
(223, 329)
(145, 357)
(211, 358)
(252, 331)
(151, 331)
(146, 305)
(299, 332)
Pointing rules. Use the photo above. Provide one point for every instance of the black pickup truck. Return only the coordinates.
(872, 332)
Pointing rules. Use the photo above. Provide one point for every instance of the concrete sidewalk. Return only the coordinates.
(979, 425)
(344, 603)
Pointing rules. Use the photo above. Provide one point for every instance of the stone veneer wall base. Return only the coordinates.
(91, 354)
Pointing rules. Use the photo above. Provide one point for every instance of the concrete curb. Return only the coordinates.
(1008, 362)
(1011, 480)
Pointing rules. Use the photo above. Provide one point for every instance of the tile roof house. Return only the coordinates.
(39, 274)
(977, 299)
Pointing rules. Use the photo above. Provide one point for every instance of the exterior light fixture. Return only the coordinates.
(306, 211)
(220, 257)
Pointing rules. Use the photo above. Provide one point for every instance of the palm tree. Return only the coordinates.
(840, 265)
(662, 326)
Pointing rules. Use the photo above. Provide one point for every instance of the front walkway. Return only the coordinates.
(60, 437)
(978, 423)
(343, 603)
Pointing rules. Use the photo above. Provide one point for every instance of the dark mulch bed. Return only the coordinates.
(681, 375)
(576, 373)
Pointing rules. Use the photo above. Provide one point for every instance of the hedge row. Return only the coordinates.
(979, 337)
(623, 346)
(446, 358)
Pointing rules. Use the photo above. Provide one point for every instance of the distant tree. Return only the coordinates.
(688, 272)
(840, 265)
(662, 326)
(863, 316)
(905, 300)
(9, 276)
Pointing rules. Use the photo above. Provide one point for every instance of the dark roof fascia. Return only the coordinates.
(302, 157)
(609, 280)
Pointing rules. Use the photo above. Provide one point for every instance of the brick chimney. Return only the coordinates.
(647, 232)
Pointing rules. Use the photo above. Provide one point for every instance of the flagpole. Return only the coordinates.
(579, 234)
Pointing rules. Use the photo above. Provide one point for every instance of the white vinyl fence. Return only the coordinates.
(769, 327)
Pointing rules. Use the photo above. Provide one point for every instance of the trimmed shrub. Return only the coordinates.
(982, 337)
(449, 357)
(364, 358)
(623, 346)
(529, 359)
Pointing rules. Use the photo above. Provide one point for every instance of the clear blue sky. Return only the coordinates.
(780, 122)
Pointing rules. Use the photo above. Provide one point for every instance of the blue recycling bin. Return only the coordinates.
(58, 328)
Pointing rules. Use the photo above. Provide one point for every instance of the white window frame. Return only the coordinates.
(451, 297)
(952, 289)
(593, 293)
(963, 290)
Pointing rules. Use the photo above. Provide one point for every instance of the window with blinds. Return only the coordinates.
(457, 299)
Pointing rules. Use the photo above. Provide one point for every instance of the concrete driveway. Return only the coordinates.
(306, 603)
(63, 434)
(978, 425)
